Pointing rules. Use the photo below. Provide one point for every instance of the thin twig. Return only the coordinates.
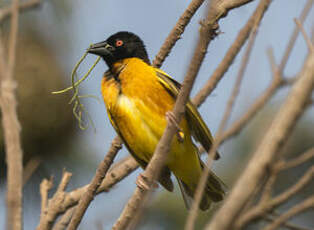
(48, 211)
(301, 183)
(13, 37)
(95, 183)
(30, 168)
(264, 156)
(2, 55)
(295, 210)
(297, 161)
(45, 186)
(287, 225)
(294, 36)
(308, 41)
(263, 207)
(237, 126)
(267, 188)
(232, 4)
(70, 199)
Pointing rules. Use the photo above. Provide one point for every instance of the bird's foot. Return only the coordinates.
(142, 182)
(171, 118)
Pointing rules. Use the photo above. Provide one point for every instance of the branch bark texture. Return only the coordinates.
(11, 128)
(69, 199)
(94, 185)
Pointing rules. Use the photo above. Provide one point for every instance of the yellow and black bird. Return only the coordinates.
(138, 98)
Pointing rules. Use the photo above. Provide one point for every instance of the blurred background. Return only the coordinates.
(55, 35)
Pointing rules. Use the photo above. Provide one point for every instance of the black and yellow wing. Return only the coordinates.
(198, 127)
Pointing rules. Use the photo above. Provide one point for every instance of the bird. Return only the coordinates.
(139, 99)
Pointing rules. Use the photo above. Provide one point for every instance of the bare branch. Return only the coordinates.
(30, 168)
(64, 182)
(297, 161)
(118, 172)
(238, 125)
(288, 225)
(304, 180)
(265, 206)
(306, 38)
(49, 211)
(115, 175)
(231, 4)
(11, 128)
(45, 186)
(267, 191)
(64, 220)
(13, 37)
(176, 32)
(295, 210)
(95, 183)
(295, 34)
(264, 156)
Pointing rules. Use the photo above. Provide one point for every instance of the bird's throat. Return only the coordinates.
(116, 69)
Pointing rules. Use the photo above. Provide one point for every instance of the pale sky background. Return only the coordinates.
(93, 21)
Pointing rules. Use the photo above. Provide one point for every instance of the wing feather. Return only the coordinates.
(197, 125)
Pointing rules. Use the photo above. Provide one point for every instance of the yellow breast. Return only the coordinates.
(137, 103)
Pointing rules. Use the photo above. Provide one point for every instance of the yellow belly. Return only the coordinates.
(140, 133)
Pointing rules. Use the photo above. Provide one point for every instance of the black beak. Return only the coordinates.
(101, 49)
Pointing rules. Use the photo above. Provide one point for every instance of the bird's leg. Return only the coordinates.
(171, 118)
(142, 182)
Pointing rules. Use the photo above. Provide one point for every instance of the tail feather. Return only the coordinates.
(214, 188)
(165, 179)
(188, 195)
(214, 192)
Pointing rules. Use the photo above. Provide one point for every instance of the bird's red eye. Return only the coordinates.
(119, 43)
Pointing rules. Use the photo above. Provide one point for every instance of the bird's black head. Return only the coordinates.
(119, 46)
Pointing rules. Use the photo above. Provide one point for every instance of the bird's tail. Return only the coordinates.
(214, 191)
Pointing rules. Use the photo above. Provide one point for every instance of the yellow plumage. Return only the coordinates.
(137, 97)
